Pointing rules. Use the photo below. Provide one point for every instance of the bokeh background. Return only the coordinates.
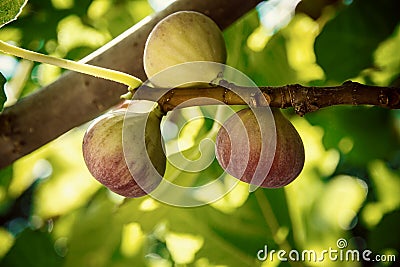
(54, 213)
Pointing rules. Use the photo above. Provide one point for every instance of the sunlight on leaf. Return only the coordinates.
(258, 39)
(183, 247)
(132, 239)
(372, 214)
(6, 241)
(387, 60)
(234, 199)
(149, 204)
(300, 36)
(47, 74)
(340, 203)
(387, 186)
(98, 8)
(10, 10)
(73, 33)
(63, 4)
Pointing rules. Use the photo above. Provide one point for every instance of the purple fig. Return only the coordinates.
(287, 159)
(130, 174)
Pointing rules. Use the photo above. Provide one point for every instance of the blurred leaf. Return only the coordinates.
(361, 133)
(386, 186)
(96, 234)
(267, 67)
(3, 96)
(346, 43)
(382, 236)
(34, 249)
(10, 10)
(270, 66)
(45, 16)
(19, 209)
(231, 239)
(6, 177)
(387, 61)
(236, 41)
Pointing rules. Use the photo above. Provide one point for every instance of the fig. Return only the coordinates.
(181, 37)
(288, 157)
(103, 152)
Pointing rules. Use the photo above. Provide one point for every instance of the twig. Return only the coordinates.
(304, 99)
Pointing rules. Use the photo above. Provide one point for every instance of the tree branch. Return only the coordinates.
(304, 99)
(75, 98)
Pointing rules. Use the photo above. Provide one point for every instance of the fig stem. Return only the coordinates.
(113, 75)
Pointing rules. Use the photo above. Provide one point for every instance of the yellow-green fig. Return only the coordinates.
(130, 174)
(182, 37)
(287, 159)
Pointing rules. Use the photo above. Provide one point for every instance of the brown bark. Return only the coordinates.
(75, 98)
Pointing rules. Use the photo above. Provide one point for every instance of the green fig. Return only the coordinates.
(129, 174)
(287, 159)
(182, 37)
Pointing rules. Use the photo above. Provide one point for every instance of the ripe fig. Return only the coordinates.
(181, 37)
(288, 159)
(103, 152)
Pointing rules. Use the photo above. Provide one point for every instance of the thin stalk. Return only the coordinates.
(95, 71)
(273, 224)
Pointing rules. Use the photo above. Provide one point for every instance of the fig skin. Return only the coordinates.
(181, 37)
(288, 159)
(104, 156)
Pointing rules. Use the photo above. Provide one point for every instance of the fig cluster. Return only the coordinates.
(181, 37)
(134, 165)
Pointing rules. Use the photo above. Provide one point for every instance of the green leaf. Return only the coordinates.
(32, 248)
(45, 16)
(230, 239)
(10, 10)
(6, 177)
(382, 236)
(269, 66)
(3, 97)
(95, 234)
(346, 44)
(356, 130)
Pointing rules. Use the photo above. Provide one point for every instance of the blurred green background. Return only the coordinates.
(54, 213)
